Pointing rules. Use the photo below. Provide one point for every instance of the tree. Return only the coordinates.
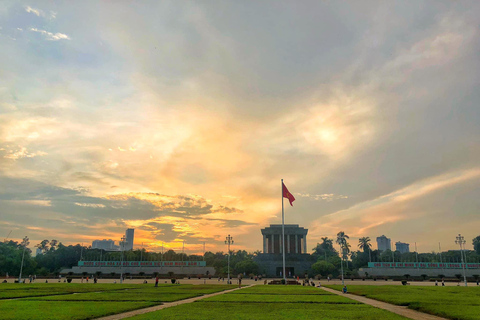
(346, 250)
(11, 258)
(364, 244)
(246, 267)
(342, 241)
(43, 246)
(359, 259)
(327, 243)
(325, 249)
(323, 268)
(53, 245)
(342, 238)
(476, 244)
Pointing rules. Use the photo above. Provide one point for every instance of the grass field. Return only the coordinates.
(459, 303)
(273, 302)
(87, 301)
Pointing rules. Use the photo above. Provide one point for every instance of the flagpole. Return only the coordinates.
(283, 237)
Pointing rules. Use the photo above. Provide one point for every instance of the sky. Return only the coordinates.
(180, 118)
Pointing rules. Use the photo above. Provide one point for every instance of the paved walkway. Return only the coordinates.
(163, 306)
(401, 310)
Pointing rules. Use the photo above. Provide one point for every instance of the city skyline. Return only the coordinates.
(180, 119)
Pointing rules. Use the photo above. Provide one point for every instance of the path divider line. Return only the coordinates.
(165, 305)
(400, 310)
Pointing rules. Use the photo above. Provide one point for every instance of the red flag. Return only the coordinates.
(287, 194)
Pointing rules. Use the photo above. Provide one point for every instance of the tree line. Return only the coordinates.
(55, 256)
(329, 262)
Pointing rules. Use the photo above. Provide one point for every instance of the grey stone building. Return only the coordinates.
(297, 260)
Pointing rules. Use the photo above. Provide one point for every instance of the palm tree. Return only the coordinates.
(346, 250)
(342, 241)
(364, 244)
(342, 238)
(327, 243)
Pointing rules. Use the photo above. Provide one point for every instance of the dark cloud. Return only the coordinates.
(263, 69)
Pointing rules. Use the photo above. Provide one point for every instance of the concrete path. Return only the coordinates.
(163, 306)
(401, 310)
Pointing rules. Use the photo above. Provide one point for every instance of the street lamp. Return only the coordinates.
(24, 243)
(228, 241)
(461, 241)
(122, 245)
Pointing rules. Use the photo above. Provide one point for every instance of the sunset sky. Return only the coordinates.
(180, 118)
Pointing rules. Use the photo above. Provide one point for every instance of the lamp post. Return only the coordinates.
(461, 241)
(228, 241)
(24, 243)
(122, 244)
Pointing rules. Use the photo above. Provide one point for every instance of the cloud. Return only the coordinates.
(326, 196)
(40, 13)
(400, 205)
(51, 36)
(22, 153)
(37, 12)
(90, 205)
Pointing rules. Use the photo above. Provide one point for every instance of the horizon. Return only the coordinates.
(180, 119)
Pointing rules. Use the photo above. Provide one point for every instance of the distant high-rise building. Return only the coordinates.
(402, 247)
(129, 239)
(104, 244)
(384, 243)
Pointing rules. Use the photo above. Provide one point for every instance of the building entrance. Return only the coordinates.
(290, 271)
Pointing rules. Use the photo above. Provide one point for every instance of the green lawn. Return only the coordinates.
(119, 296)
(15, 290)
(274, 302)
(87, 301)
(287, 311)
(291, 298)
(17, 309)
(279, 289)
(459, 303)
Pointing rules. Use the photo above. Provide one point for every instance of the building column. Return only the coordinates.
(305, 243)
(281, 243)
(264, 244)
(288, 243)
(296, 243)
